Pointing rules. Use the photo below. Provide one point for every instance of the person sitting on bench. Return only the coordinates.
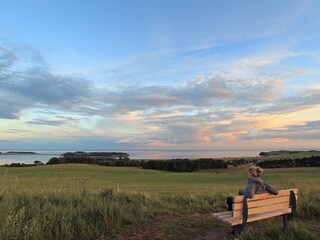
(255, 184)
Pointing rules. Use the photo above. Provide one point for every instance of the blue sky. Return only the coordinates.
(159, 74)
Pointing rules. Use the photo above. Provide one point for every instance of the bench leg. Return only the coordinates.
(237, 231)
(285, 222)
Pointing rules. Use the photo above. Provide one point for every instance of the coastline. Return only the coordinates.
(29, 156)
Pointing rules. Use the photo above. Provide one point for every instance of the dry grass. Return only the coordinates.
(91, 202)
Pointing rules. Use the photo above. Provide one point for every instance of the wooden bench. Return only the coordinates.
(243, 210)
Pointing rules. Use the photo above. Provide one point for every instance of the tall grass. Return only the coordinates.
(92, 216)
(303, 225)
(115, 213)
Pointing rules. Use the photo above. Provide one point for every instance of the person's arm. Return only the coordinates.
(271, 189)
(249, 192)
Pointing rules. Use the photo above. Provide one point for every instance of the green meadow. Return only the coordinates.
(95, 202)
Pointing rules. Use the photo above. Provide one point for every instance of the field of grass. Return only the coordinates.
(94, 202)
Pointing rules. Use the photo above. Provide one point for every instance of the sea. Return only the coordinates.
(45, 155)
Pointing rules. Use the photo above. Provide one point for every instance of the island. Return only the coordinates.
(101, 158)
(290, 153)
(16, 152)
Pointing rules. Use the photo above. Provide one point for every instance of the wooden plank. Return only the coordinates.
(262, 206)
(222, 213)
(257, 217)
(225, 218)
(229, 219)
(262, 209)
(265, 195)
(262, 202)
(227, 215)
(238, 199)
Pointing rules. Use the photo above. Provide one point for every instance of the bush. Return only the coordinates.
(184, 165)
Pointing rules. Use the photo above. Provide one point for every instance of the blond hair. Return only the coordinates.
(256, 171)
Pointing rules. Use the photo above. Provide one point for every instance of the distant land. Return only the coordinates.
(112, 155)
(289, 154)
(14, 152)
(270, 159)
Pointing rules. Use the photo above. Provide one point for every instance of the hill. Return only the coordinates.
(289, 154)
(77, 201)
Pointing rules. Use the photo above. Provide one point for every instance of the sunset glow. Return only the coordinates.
(159, 75)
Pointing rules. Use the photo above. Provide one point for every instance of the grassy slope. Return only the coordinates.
(76, 202)
(293, 154)
(96, 178)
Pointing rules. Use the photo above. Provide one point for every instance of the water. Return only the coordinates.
(191, 154)
(44, 156)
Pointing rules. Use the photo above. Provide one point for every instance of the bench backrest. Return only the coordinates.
(264, 203)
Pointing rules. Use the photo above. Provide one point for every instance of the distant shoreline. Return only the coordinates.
(17, 153)
(29, 156)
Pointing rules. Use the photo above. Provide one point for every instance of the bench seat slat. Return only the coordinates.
(222, 213)
(223, 216)
(257, 217)
(236, 221)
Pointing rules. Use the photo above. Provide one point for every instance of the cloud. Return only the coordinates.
(214, 91)
(10, 106)
(196, 111)
(179, 129)
(80, 142)
(209, 108)
(216, 138)
(305, 99)
(6, 58)
(23, 87)
(58, 121)
(16, 131)
(41, 86)
(308, 130)
(264, 60)
(252, 134)
(139, 98)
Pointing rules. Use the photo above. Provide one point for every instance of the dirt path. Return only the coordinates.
(218, 233)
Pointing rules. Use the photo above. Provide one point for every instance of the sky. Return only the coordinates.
(159, 74)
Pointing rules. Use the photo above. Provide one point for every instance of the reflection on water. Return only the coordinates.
(44, 156)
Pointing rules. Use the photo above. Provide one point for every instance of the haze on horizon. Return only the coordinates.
(159, 74)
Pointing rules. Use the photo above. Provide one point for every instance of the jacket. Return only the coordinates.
(256, 185)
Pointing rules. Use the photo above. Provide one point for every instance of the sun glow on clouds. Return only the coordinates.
(208, 110)
(206, 93)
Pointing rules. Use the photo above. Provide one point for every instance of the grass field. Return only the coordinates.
(94, 202)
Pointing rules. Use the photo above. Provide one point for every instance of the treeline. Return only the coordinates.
(121, 163)
(18, 165)
(91, 160)
(242, 161)
(100, 158)
(184, 165)
(313, 161)
(35, 163)
(175, 165)
(288, 152)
